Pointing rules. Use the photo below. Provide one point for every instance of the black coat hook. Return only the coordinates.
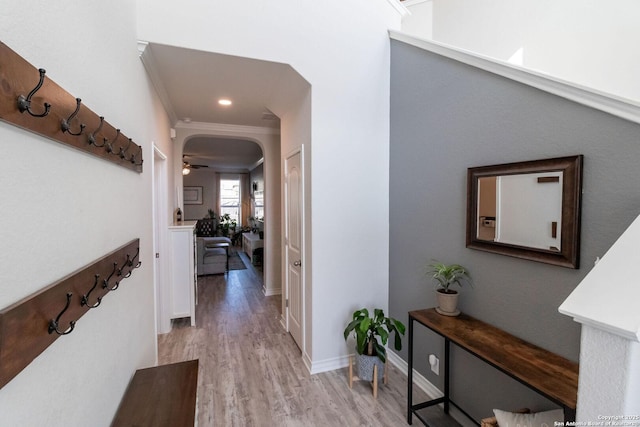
(53, 324)
(66, 124)
(24, 104)
(127, 263)
(134, 156)
(109, 145)
(105, 282)
(124, 150)
(85, 298)
(134, 258)
(92, 136)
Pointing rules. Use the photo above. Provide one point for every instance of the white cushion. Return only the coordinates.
(539, 419)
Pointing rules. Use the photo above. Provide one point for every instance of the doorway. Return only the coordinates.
(294, 244)
(160, 221)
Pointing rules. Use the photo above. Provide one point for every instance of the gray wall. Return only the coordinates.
(446, 117)
(205, 178)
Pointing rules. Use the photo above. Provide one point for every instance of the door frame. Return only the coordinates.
(160, 221)
(303, 257)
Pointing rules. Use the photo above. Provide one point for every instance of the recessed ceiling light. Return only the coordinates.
(225, 102)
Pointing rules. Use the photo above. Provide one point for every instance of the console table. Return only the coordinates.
(251, 242)
(551, 375)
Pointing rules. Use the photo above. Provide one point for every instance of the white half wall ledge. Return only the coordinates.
(607, 298)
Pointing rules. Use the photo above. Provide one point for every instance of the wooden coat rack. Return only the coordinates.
(33, 102)
(29, 326)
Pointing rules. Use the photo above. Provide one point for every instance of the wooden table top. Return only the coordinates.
(546, 372)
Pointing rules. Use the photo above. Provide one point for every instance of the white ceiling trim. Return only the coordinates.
(409, 3)
(399, 7)
(611, 104)
(256, 164)
(226, 128)
(150, 65)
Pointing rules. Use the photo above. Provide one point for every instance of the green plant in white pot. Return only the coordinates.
(371, 335)
(444, 277)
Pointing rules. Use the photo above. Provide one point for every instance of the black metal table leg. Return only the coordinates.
(410, 374)
(446, 375)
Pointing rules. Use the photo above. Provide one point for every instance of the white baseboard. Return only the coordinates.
(271, 292)
(418, 379)
(307, 362)
(328, 364)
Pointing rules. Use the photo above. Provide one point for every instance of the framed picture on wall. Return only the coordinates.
(192, 195)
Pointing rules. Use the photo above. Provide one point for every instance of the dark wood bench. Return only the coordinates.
(160, 396)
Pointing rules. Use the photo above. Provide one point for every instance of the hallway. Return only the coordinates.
(251, 371)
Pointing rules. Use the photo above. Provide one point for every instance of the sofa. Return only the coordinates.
(212, 258)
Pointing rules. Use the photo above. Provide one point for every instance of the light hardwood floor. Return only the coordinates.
(251, 371)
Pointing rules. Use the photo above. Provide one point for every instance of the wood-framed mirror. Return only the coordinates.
(528, 210)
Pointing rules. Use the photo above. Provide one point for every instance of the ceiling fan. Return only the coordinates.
(186, 166)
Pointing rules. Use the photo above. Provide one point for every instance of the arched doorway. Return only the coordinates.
(209, 145)
(208, 160)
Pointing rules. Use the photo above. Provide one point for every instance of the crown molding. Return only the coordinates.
(399, 7)
(409, 3)
(617, 106)
(255, 165)
(146, 56)
(226, 128)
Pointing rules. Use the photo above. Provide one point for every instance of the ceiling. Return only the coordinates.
(222, 153)
(190, 83)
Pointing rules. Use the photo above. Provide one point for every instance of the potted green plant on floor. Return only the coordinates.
(371, 335)
(227, 223)
(444, 277)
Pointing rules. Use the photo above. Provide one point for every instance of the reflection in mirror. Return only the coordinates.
(528, 210)
(259, 204)
(521, 209)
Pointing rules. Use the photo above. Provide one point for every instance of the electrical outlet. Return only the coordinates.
(434, 362)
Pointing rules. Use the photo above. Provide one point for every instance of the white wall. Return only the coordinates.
(593, 44)
(609, 362)
(609, 372)
(419, 22)
(293, 106)
(62, 209)
(342, 50)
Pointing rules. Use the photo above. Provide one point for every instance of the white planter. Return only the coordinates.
(447, 303)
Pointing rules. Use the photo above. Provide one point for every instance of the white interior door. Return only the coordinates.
(294, 244)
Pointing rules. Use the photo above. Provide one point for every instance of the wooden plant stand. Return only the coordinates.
(374, 383)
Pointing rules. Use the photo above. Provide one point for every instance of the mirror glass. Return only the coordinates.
(529, 210)
(259, 204)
